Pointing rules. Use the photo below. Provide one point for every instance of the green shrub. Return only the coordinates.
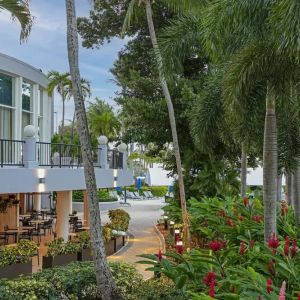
(157, 191)
(119, 219)
(58, 247)
(77, 196)
(20, 253)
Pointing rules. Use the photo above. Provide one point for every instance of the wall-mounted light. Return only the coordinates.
(42, 180)
(115, 173)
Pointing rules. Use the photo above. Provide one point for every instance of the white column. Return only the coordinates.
(35, 106)
(102, 152)
(62, 212)
(29, 149)
(71, 203)
(47, 115)
(17, 93)
(37, 202)
(123, 149)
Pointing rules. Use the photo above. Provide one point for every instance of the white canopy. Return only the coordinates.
(157, 176)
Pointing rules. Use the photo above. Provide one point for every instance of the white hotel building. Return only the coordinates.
(29, 163)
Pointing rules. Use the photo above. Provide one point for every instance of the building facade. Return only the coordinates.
(23, 100)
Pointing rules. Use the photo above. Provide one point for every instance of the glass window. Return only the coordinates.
(27, 96)
(6, 120)
(5, 90)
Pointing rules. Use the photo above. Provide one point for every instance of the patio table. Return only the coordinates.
(37, 222)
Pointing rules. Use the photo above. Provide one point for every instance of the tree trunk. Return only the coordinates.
(279, 187)
(270, 166)
(243, 171)
(167, 96)
(73, 129)
(106, 287)
(289, 193)
(296, 192)
(63, 117)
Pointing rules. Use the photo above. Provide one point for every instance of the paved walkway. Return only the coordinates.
(144, 215)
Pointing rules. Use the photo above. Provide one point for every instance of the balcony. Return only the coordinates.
(53, 155)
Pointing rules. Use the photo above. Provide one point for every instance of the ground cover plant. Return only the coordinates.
(77, 281)
(229, 258)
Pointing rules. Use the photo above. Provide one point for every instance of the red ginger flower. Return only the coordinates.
(298, 298)
(212, 289)
(294, 248)
(269, 285)
(242, 248)
(241, 218)
(216, 245)
(229, 222)
(159, 255)
(273, 243)
(209, 278)
(257, 218)
(287, 246)
(271, 268)
(246, 201)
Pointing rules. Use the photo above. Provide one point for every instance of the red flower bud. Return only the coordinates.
(287, 246)
(242, 248)
(216, 245)
(273, 243)
(212, 289)
(209, 278)
(269, 285)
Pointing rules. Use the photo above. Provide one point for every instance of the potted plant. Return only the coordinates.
(17, 260)
(84, 241)
(60, 253)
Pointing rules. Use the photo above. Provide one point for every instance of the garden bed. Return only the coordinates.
(59, 260)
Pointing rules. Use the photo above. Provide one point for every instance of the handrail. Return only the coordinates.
(11, 152)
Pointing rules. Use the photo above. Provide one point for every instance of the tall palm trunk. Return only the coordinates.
(105, 282)
(279, 187)
(167, 95)
(289, 193)
(243, 171)
(296, 194)
(270, 166)
(63, 98)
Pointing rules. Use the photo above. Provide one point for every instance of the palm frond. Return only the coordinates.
(185, 6)
(129, 16)
(285, 24)
(179, 40)
(19, 10)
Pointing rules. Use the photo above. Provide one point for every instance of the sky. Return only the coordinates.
(46, 49)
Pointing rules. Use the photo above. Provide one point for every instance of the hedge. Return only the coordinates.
(77, 281)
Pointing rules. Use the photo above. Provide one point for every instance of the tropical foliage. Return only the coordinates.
(229, 259)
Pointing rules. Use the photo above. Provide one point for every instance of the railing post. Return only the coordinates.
(29, 155)
(123, 150)
(2, 153)
(102, 152)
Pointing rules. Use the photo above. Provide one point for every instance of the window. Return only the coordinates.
(27, 96)
(5, 90)
(6, 101)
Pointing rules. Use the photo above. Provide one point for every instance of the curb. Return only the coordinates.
(162, 242)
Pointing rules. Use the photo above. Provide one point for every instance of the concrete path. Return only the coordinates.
(144, 215)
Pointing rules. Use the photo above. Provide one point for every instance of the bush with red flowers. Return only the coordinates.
(234, 262)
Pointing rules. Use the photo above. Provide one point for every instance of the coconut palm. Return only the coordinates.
(102, 120)
(20, 11)
(61, 83)
(105, 283)
(177, 5)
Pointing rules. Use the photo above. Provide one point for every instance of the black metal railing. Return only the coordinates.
(115, 159)
(58, 155)
(11, 153)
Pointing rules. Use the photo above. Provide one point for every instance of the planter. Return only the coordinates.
(60, 260)
(110, 247)
(119, 242)
(15, 270)
(85, 255)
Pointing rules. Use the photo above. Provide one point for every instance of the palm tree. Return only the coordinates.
(61, 83)
(20, 11)
(255, 62)
(166, 93)
(106, 287)
(102, 120)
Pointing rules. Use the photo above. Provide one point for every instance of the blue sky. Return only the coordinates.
(46, 48)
